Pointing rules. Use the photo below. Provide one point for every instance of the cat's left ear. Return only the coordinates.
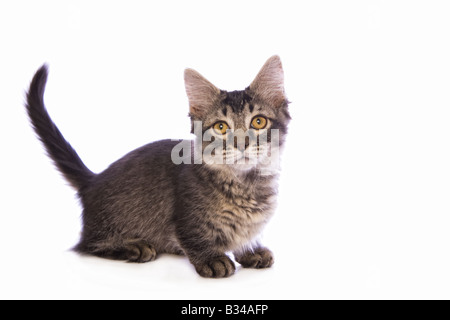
(269, 83)
(201, 93)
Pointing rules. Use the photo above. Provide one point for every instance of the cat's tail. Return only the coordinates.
(59, 150)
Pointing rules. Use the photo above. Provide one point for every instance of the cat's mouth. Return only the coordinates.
(251, 157)
(245, 158)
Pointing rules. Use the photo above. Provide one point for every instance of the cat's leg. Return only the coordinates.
(259, 257)
(205, 244)
(131, 250)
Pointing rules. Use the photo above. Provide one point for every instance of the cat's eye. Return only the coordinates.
(220, 127)
(259, 122)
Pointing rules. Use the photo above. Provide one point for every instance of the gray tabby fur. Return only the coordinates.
(143, 204)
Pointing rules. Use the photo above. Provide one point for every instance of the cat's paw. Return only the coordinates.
(259, 258)
(140, 252)
(219, 267)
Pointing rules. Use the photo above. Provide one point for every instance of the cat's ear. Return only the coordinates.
(269, 83)
(201, 93)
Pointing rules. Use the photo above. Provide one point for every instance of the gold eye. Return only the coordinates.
(220, 127)
(259, 122)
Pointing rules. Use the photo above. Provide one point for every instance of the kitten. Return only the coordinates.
(146, 203)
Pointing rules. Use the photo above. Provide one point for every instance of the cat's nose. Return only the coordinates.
(241, 145)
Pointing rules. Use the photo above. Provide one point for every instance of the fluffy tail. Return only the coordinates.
(59, 150)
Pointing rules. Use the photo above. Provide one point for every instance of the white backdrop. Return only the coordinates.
(364, 199)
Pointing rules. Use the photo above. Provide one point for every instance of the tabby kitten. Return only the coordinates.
(146, 203)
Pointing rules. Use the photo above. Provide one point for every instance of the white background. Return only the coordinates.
(364, 198)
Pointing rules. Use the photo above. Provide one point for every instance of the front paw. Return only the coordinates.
(259, 258)
(218, 267)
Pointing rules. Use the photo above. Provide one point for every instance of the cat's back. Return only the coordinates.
(142, 179)
(151, 161)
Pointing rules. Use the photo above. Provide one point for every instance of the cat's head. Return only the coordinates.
(241, 129)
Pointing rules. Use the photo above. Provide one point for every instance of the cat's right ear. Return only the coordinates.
(201, 93)
(269, 83)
